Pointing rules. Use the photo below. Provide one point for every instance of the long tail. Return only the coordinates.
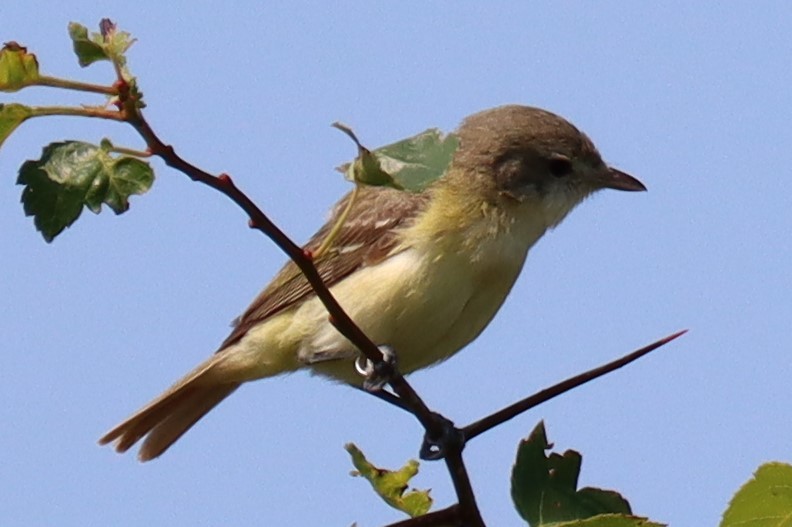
(165, 419)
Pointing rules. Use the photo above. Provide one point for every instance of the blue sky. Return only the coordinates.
(692, 98)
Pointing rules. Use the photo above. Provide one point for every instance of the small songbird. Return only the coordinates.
(422, 274)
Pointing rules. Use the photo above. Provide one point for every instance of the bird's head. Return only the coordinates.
(530, 155)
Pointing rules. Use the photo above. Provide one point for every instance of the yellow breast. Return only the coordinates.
(433, 295)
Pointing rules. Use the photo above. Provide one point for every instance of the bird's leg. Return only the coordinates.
(378, 373)
(441, 437)
(445, 436)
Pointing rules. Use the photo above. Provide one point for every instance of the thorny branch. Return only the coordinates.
(131, 113)
(442, 439)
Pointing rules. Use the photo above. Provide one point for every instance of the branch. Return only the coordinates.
(433, 423)
(259, 221)
(468, 509)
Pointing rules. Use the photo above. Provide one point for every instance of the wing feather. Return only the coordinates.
(369, 235)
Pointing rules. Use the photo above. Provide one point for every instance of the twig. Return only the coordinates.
(386, 396)
(56, 82)
(327, 243)
(338, 317)
(258, 220)
(468, 509)
(482, 425)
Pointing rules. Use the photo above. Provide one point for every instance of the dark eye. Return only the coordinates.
(559, 166)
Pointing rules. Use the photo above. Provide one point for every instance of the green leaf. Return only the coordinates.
(11, 116)
(417, 161)
(391, 485)
(108, 44)
(764, 501)
(129, 176)
(18, 68)
(610, 520)
(116, 43)
(412, 163)
(87, 48)
(74, 174)
(366, 168)
(544, 488)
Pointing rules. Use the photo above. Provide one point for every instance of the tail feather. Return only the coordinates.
(165, 419)
(175, 424)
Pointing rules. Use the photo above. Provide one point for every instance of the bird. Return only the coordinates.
(421, 273)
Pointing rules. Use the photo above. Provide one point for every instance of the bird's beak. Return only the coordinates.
(618, 180)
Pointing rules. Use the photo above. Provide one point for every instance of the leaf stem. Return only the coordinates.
(129, 151)
(84, 111)
(56, 82)
(333, 234)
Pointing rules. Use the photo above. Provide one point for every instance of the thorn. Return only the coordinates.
(659, 343)
(672, 337)
(308, 254)
(251, 224)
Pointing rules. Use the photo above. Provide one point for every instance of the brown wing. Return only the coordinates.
(368, 236)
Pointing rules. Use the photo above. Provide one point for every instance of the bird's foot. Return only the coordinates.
(446, 436)
(379, 373)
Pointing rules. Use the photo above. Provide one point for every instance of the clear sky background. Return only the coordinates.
(692, 98)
